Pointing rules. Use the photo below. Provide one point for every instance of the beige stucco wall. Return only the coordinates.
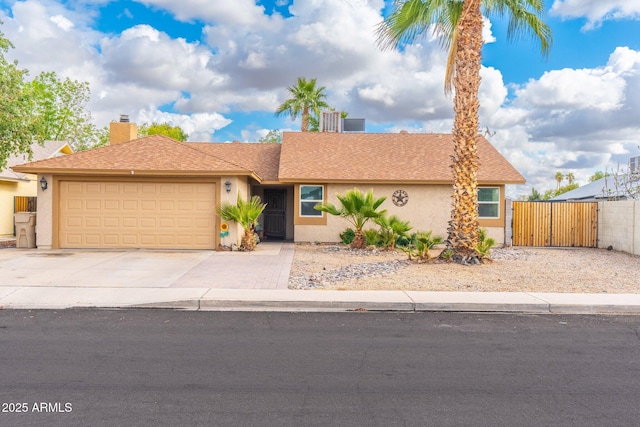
(8, 190)
(496, 233)
(44, 219)
(239, 186)
(428, 209)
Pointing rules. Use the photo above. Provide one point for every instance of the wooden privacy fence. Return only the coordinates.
(566, 224)
(24, 204)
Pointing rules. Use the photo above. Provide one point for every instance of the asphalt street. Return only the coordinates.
(168, 368)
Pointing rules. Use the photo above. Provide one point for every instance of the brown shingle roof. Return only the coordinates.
(302, 157)
(402, 157)
(263, 159)
(156, 154)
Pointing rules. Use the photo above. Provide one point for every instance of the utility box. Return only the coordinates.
(25, 230)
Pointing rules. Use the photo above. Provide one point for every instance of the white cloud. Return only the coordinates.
(487, 34)
(569, 89)
(596, 11)
(199, 126)
(233, 13)
(62, 22)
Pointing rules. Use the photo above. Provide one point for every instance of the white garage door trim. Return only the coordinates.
(153, 214)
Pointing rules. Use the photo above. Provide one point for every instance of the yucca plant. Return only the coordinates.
(392, 228)
(246, 214)
(358, 209)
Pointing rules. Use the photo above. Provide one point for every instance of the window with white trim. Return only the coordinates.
(489, 202)
(311, 195)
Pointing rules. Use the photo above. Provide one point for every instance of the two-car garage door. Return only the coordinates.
(145, 214)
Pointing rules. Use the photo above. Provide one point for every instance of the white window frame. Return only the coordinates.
(301, 201)
(489, 203)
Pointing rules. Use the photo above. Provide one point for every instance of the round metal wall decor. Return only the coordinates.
(400, 198)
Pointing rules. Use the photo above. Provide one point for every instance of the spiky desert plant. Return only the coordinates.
(358, 209)
(392, 228)
(245, 213)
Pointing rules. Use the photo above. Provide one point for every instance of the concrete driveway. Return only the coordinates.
(267, 267)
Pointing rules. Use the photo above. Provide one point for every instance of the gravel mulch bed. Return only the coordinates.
(513, 269)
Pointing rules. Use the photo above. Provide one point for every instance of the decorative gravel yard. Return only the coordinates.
(513, 269)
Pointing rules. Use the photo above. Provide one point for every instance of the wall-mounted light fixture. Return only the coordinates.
(43, 183)
(227, 185)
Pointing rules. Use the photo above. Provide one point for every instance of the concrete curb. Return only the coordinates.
(315, 300)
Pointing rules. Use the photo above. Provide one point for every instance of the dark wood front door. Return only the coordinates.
(275, 214)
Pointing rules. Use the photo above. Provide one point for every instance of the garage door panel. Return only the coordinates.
(148, 223)
(111, 239)
(129, 205)
(136, 214)
(93, 222)
(148, 205)
(129, 222)
(111, 205)
(92, 239)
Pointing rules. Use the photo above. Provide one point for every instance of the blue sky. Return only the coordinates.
(220, 69)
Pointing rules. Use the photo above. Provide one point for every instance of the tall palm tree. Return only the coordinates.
(305, 98)
(559, 178)
(459, 26)
(571, 177)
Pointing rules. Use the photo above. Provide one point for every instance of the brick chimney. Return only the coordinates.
(122, 131)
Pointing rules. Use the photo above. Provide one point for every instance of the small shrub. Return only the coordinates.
(391, 228)
(447, 254)
(403, 241)
(346, 237)
(372, 237)
(485, 244)
(421, 243)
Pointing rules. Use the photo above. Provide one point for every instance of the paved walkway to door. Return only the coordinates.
(267, 267)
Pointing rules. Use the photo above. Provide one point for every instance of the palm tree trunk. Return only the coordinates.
(305, 119)
(248, 241)
(358, 241)
(463, 231)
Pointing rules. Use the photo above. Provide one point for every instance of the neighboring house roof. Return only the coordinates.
(152, 155)
(600, 189)
(48, 150)
(391, 157)
(302, 157)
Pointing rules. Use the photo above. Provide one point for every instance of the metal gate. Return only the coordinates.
(555, 224)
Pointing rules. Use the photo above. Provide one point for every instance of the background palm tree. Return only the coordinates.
(358, 209)
(559, 178)
(571, 177)
(305, 98)
(459, 26)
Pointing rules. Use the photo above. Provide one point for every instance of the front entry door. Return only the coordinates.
(275, 214)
